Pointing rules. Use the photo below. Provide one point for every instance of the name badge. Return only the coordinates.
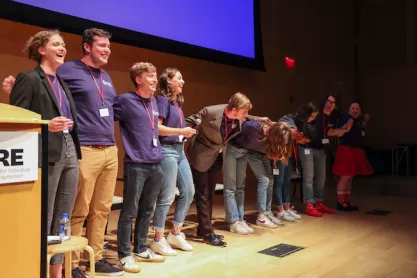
(276, 172)
(325, 141)
(155, 142)
(363, 133)
(307, 151)
(65, 131)
(180, 138)
(104, 112)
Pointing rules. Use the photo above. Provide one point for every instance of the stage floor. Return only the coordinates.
(347, 244)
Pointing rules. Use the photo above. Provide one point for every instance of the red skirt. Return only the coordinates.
(351, 162)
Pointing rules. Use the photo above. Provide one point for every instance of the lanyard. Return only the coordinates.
(151, 118)
(100, 91)
(179, 113)
(324, 128)
(294, 147)
(59, 91)
(227, 131)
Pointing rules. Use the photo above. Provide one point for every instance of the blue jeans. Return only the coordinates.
(314, 174)
(234, 178)
(142, 183)
(262, 168)
(282, 184)
(177, 172)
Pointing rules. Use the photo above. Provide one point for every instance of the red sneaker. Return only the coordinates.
(312, 211)
(323, 208)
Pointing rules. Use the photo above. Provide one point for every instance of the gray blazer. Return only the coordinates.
(204, 147)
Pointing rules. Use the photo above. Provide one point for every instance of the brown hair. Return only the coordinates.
(35, 42)
(165, 89)
(278, 142)
(239, 101)
(138, 68)
(89, 34)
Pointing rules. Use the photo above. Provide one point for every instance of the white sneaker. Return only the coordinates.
(238, 228)
(129, 264)
(247, 227)
(294, 214)
(284, 215)
(148, 256)
(162, 247)
(274, 220)
(264, 221)
(177, 241)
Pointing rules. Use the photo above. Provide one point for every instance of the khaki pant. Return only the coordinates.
(97, 182)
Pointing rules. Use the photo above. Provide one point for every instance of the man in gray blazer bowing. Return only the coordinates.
(217, 124)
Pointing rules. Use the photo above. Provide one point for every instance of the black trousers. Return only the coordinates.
(205, 187)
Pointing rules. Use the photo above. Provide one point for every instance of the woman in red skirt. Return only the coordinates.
(350, 156)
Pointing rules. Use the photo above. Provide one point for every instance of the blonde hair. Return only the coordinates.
(35, 42)
(279, 142)
(138, 68)
(239, 101)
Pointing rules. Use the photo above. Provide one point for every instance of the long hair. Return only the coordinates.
(165, 88)
(278, 142)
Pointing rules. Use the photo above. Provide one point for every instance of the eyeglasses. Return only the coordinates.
(332, 102)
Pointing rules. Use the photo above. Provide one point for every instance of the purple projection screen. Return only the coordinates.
(221, 25)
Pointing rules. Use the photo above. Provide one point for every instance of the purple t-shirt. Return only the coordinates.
(136, 129)
(92, 128)
(251, 137)
(61, 99)
(173, 117)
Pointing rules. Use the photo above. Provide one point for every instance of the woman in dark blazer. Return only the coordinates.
(42, 91)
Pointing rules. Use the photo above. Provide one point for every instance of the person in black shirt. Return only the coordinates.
(350, 156)
(313, 156)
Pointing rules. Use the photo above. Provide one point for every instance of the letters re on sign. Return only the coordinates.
(18, 157)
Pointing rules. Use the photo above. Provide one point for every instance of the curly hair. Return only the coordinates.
(35, 42)
(278, 142)
(165, 89)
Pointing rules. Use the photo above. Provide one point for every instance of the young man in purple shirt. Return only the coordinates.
(94, 95)
(138, 114)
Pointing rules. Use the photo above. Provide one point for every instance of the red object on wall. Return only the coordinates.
(289, 62)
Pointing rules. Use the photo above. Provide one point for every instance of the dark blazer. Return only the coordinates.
(32, 91)
(204, 147)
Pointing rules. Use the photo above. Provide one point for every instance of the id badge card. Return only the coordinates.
(325, 141)
(307, 151)
(155, 141)
(276, 172)
(65, 131)
(180, 138)
(363, 133)
(104, 112)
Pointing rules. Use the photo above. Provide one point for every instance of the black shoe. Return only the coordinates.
(352, 206)
(78, 273)
(213, 240)
(221, 237)
(343, 206)
(104, 268)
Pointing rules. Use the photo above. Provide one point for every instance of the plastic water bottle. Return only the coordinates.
(64, 227)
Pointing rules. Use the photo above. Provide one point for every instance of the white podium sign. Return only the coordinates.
(18, 157)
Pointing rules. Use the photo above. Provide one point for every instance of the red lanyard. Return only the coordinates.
(151, 118)
(294, 147)
(227, 131)
(324, 128)
(101, 92)
(179, 113)
(59, 90)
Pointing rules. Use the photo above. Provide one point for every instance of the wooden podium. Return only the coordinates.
(23, 193)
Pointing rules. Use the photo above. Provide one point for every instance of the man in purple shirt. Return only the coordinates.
(138, 114)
